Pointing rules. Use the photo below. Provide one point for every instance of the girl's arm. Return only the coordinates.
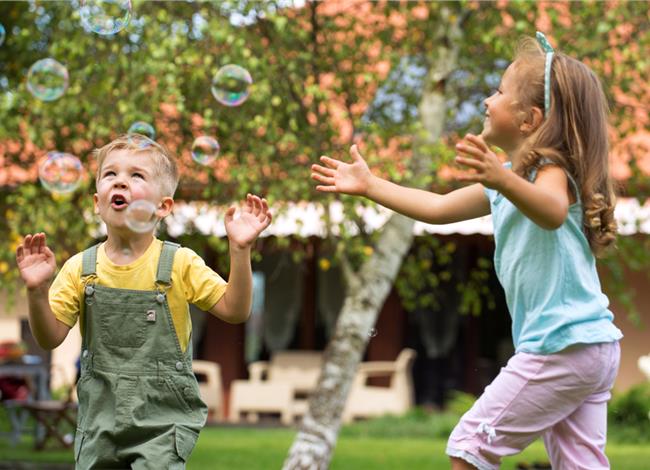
(355, 178)
(545, 202)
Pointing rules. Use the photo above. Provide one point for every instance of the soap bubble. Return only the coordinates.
(141, 216)
(143, 129)
(231, 85)
(373, 332)
(105, 17)
(205, 150)
(3, 34)
(60, 173)
(47, 79)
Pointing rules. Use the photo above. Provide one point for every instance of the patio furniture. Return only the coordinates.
(279, 386)
(644, 365)
(208, 375)
(367, 401)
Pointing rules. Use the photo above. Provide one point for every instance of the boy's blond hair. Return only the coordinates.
(166, 171)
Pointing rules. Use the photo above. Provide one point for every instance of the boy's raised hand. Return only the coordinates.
(341, 177)
(474, 153)
(253, 219)
(35, 260)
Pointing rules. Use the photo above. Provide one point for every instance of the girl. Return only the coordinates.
(552, 207)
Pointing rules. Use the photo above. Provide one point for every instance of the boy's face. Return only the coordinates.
(124, 177)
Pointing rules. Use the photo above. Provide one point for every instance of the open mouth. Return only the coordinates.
(119, 202)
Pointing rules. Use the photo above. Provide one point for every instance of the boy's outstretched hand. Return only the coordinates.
(340, 177)
(254, 218)
(35, 260)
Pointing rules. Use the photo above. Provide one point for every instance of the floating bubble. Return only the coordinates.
(141, 216)
(3, 34)
(373, 332)
(139, 129)
(105, 17)
(231, 85)
(60, 173)
(205, 150)
(47, 79)
(143, 128)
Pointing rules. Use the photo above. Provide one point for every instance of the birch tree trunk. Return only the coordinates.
(368, 288)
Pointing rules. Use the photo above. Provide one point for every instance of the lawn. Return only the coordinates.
(266, 448)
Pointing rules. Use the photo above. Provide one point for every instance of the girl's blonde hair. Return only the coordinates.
(165, 168)
(573, 134)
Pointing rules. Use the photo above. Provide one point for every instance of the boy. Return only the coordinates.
(139, 405)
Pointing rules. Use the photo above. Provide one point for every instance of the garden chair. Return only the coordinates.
(280, 386)
(368, 401)
(208, 375)
(644, 365)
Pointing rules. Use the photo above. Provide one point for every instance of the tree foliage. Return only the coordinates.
(325, 74)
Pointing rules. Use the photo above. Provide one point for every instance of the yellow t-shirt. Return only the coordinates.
(191, 282)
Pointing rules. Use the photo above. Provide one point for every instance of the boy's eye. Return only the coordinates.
(109, 173)
(139, 175)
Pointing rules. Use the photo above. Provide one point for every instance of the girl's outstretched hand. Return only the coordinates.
(340, 177)
(474, 153)
(253, 219)
(35, 261)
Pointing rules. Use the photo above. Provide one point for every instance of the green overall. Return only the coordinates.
(139, 403)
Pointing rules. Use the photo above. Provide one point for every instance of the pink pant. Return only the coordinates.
(561, 397)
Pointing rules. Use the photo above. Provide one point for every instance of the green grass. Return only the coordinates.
(264, 449)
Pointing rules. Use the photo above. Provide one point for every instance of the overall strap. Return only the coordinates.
(89, 261)
(166, 261)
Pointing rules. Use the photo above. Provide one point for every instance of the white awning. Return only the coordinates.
(307, 219)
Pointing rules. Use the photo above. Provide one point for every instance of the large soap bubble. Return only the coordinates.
(60, 173)
(231, 85)
(205, 150)
(105, 17)
(47, 79)
(141, 216)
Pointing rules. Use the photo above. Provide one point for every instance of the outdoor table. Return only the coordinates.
(39, 373)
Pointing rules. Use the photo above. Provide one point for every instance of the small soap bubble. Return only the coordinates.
(139, 129)
(105, 17)
(3, 34)
(60, 173)
(231, 85)
(373, 332)
(47, 79)
(205, 150)
(141, 216)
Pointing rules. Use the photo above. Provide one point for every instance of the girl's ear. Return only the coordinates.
(532, 121)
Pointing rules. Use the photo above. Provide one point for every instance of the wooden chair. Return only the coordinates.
(367, 401)
(208, 374)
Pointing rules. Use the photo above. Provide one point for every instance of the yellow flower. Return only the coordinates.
(367, 250)
(4, 267)
(324, 264)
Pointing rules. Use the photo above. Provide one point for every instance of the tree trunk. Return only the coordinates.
(314, 444)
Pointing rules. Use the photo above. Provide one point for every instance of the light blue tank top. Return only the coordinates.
(550, 280)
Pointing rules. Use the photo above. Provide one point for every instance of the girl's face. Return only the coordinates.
(502, 123)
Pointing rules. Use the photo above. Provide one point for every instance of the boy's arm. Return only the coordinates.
(48, 331)
(37, 265)
(235, 304)
(355, 178)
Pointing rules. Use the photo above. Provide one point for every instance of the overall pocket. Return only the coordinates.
(125, 326)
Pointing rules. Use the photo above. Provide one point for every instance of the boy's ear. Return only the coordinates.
(532, 120)
(165, 207)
